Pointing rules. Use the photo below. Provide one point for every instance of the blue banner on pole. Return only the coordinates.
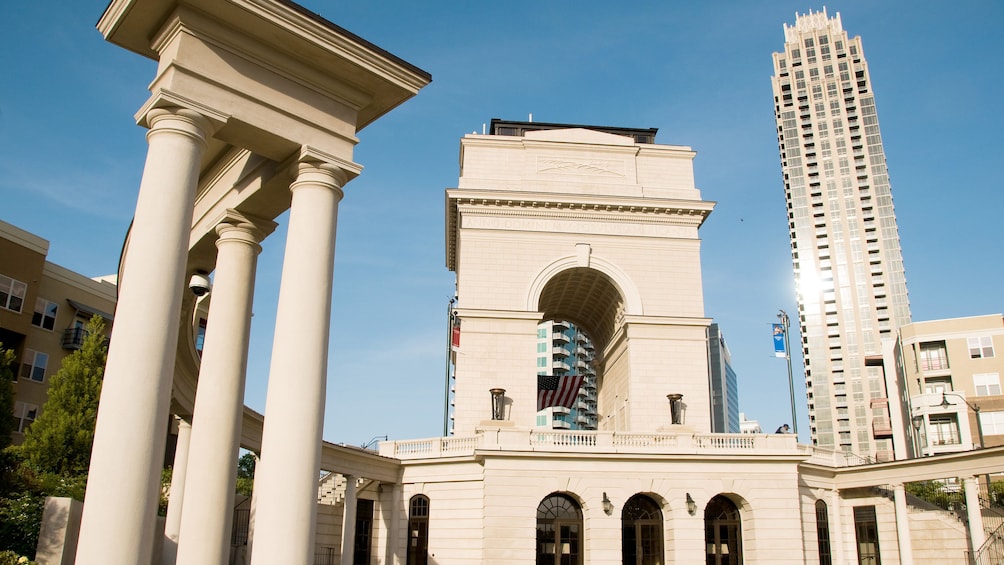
(779, 350)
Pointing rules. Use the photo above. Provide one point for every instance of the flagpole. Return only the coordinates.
(449, 354)
(785, 322)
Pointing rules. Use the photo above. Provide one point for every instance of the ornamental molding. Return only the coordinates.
(671, 218)
(590, 167)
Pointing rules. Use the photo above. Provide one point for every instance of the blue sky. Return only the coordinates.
(71, 157)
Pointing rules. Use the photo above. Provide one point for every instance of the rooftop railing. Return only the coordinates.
(543, 440)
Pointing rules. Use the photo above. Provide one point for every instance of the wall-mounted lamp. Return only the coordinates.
(675, 407)
(608, 506)
(498, 403)
(691, 505)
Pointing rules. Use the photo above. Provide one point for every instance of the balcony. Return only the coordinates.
(73, 338)
(560, 365)
(560, 338)
(881, 428)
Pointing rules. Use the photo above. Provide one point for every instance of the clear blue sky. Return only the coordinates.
(71, 158)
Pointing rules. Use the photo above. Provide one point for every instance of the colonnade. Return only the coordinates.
(904, 539)
(118, 524)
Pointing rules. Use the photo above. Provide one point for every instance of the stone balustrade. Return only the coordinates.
(579, 441)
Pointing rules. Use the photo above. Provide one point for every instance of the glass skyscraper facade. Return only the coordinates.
(845, 247)
(724, 385)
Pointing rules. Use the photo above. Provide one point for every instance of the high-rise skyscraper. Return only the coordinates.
(844, 241)
(724, 385)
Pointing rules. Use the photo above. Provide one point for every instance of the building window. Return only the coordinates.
(12, 293)
(933, 356)
(980, 347)
(45, 314)
(987, 384)
(418, 530)
(937, 385)
(24, 414)
(866, 534)
(641, 532)
(722, 532)
(992, 423)
(823, 533)
(943, 429)
(559, 531)
(33, 365)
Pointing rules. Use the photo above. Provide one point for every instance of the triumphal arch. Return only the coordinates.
(586, 225)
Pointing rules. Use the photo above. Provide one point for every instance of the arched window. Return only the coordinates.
(823, 533)
(641, 532)
(418, 530)
(559, 531)
(722, 532)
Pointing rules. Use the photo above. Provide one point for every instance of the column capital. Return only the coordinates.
(179, 120)
(312, 158)
(237, 226)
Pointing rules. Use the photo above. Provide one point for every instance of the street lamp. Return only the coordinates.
(979, 424)
(782, 317)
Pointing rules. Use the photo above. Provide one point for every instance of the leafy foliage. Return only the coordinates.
(7, 421)
(245, 473)
(59, 441)
(55, 455)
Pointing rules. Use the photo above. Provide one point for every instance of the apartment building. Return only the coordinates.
(43, 310)
(564, 349)
(952, 371)
(845, 246)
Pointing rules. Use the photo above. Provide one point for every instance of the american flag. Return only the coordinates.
(557, 391)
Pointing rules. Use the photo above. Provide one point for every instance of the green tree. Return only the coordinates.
(245, 473)
(7, 421)
(59, 441)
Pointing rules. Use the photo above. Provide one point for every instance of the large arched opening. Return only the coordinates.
(583, 311)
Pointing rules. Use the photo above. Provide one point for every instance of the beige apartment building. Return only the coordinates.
(43, 310)
(952, 371)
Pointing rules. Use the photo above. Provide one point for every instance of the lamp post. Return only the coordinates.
(451, 322)
(785, 323)
(918, 422)
(979, 424)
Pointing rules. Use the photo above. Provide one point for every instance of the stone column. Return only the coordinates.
(286, 478)
(349, 520)
(977, 535)
(219, 401)
(902, 525)
(123, 485)
(179, 471)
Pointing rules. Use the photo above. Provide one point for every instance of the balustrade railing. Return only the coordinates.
(514, 439)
